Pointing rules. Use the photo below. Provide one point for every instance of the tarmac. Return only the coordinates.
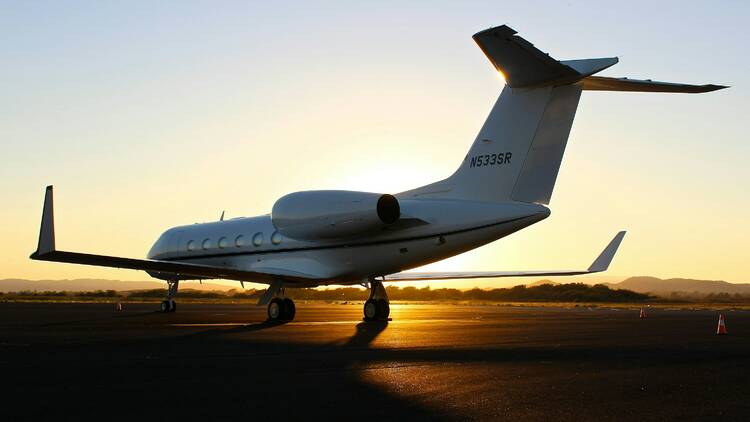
(431, 362)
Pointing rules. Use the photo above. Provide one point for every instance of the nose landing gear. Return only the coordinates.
(170, 305)
(377, 307)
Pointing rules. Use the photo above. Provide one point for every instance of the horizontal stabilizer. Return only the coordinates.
(601, 83)
(525, 66)
(601, 263)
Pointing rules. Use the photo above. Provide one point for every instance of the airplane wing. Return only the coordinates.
(601, 263)
(184, 271)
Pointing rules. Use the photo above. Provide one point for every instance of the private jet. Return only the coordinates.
(336, 237)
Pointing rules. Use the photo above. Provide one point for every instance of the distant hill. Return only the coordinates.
(83, 285)
(574, 292)
(650, 285)
(542, 283)
(681, 285)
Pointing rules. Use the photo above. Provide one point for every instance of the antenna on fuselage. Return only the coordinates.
(222, 216)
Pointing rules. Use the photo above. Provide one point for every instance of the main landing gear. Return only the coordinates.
(281, 309)
(169, 305)
(377, 307)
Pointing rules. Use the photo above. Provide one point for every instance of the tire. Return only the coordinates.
(275, 310)
(384, 309)
(172, 306)
(371, 310)
(289, 309)
(164, 306)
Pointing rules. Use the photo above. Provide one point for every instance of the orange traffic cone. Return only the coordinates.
(643, 313)
(722, 328)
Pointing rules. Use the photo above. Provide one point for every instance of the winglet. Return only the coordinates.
(603, 260)
(47, 231)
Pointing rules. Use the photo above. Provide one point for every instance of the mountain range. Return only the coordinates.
(641, 284)
(658, 286)
(665, 287)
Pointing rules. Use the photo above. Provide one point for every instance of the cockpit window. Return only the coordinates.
(258, 239)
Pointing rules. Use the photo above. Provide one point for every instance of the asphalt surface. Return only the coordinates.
(436, 362)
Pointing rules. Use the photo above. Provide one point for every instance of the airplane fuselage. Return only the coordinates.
(432, 230)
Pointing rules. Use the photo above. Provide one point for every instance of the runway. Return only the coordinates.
(436, 362)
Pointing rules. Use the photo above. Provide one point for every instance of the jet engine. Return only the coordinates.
(332, 214)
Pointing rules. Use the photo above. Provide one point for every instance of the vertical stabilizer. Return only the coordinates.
(518, 152)
(537, 177)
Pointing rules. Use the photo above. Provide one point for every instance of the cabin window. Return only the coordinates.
(223, 243)
(206, 243)
(276, 238)
(258, 239)
(191, 246)
(239, 241)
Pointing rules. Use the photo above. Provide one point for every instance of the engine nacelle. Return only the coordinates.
(331, 214)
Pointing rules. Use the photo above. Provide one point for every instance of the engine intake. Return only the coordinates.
(332, 214)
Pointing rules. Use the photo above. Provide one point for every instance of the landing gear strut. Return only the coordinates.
(377, 307)
(170, 305)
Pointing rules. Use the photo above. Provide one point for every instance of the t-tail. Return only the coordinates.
(517, 154)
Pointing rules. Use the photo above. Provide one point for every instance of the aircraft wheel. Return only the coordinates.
(371, 310)
(164, 306)
(275, 310)
(384, 309)
(289, 309)
(172, 306)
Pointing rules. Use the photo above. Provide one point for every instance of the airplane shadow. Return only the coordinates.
(365, 333)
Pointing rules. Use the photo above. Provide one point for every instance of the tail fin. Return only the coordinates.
(517, 154)
(525, 66)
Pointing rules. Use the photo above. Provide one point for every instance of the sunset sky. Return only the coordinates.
(146, 116)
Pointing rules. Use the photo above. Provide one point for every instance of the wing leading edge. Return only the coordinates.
(601, 263)
(46, 251)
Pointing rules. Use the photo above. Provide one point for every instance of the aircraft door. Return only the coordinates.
(175, 241)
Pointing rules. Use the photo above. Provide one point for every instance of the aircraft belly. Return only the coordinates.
(355, 264)
(351, 264)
